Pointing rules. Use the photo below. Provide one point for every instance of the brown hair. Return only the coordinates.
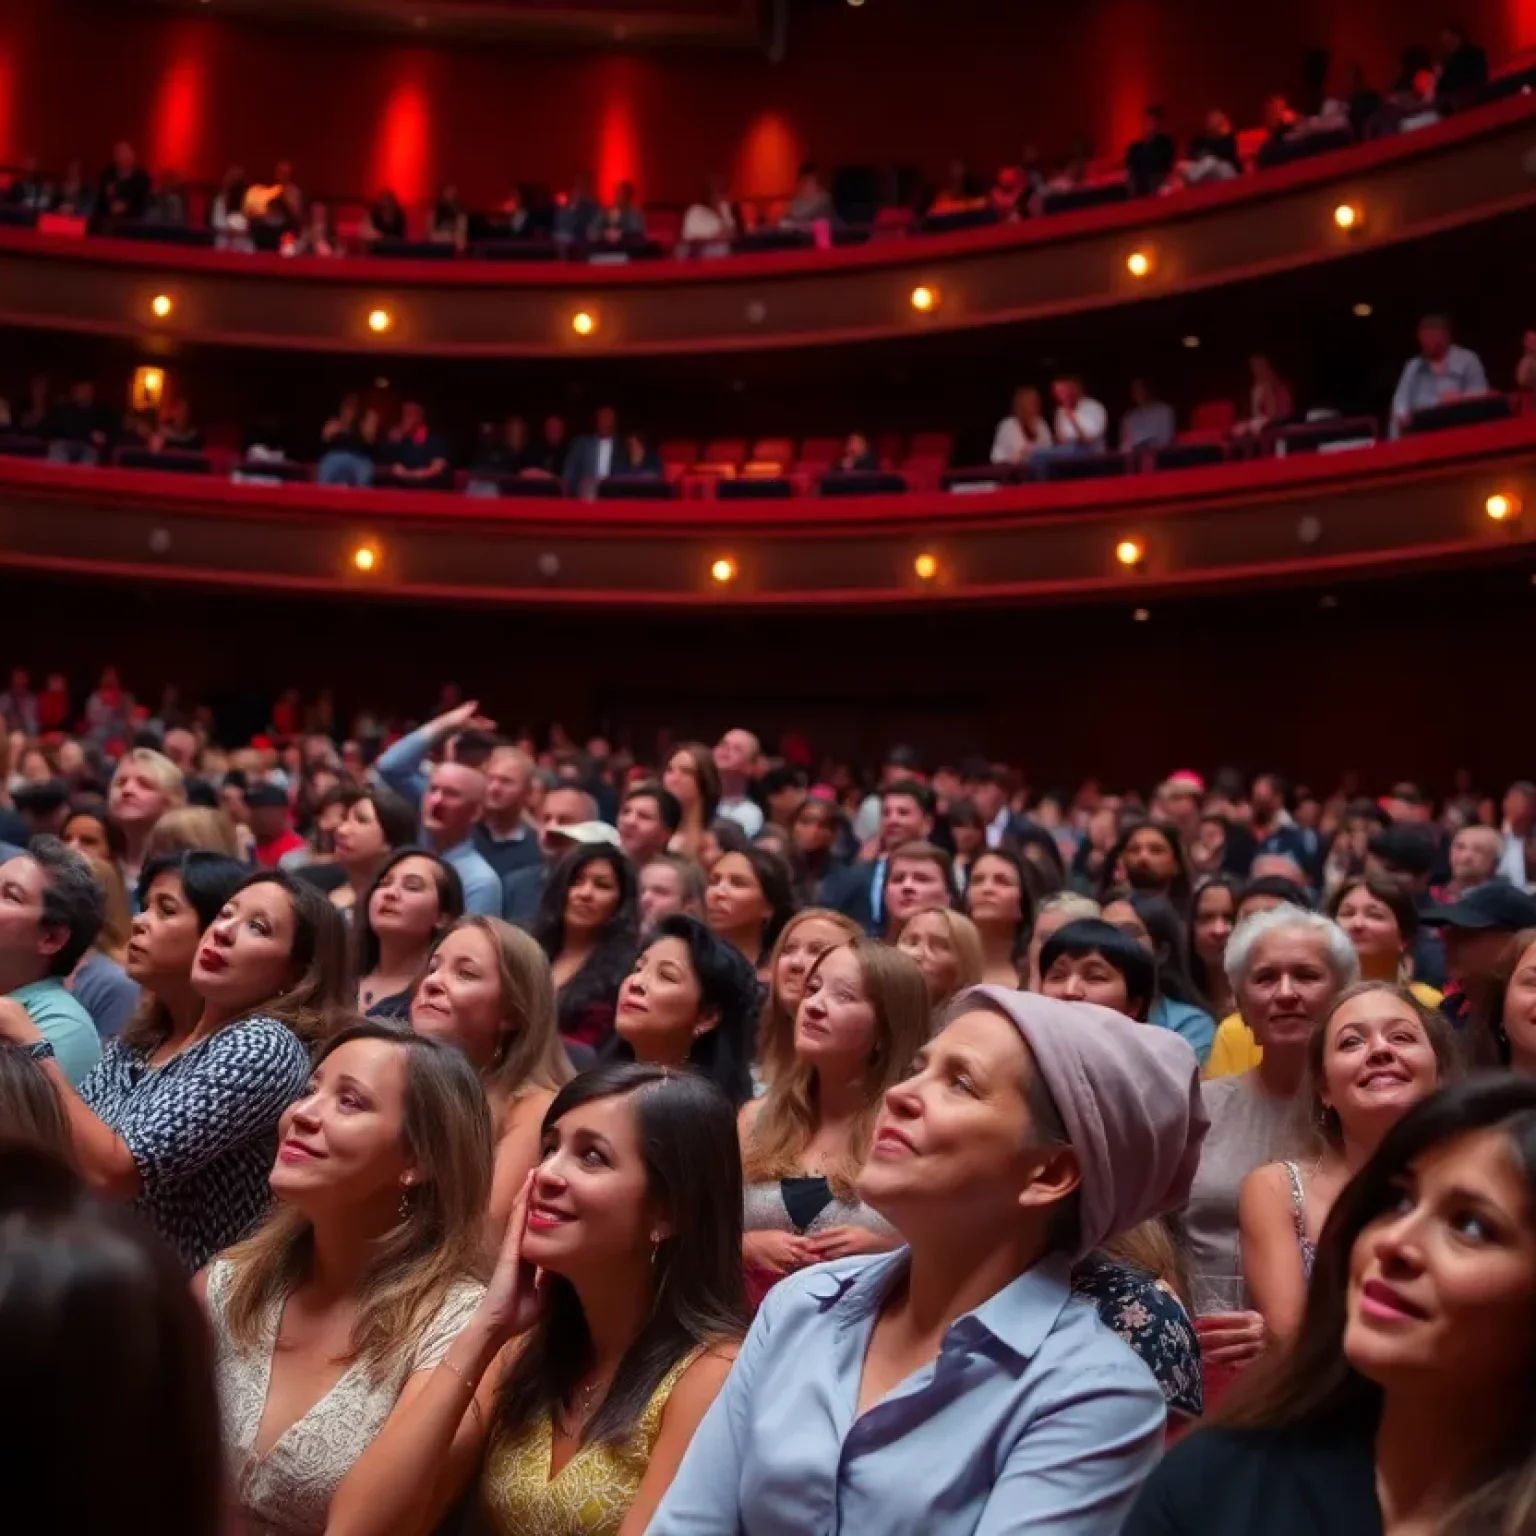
(776, 1028)
(193, 826)
(1394, 896)
(435, 1245)
(112, 936)
(1487, 1041)
(30, 1111)
(964, 941)
(927, 852)
(898, 994)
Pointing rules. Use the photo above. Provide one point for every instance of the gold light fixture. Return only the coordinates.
(1130, 551)
(583, 322)
(924, 299)
(380, 321)
(1502, 506)
(926, 566)
(365, 558)
(161, 306)
(1139, 263)
(1348, 216)
(723, 571)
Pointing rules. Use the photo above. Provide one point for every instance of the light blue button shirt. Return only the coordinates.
(1033, 1418)
(64, 1024)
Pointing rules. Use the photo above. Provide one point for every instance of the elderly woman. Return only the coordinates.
(1285, 965)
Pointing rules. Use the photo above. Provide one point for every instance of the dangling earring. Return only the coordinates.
(405, 1203)
(655, 1249)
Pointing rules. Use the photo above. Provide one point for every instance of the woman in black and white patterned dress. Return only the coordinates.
(240, 971)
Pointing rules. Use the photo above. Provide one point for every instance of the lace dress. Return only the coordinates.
(1299, 1215)
(288, 1491)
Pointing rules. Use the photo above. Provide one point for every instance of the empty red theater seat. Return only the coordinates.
(820, 451)
(1213, 416)
(774, 450)
(730, 452)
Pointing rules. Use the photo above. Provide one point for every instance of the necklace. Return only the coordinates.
(572, 1422)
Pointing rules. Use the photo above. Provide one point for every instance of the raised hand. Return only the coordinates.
(516, 1294)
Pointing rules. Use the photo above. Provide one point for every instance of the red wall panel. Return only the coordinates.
(902, 81)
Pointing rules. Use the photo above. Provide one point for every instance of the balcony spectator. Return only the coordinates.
(139, 429)
(277, 204)
(1279, 124)
(1413, 104)
(448, 224)
(811, 204)
(514, 220)
(74, 197)
(1440, 373)
(504, 448)
(385, 219)
(1149, 159)
(857, 457)
(1081, 421)
(593, 454)
(177, 433)
(623, 219)
(167, 205)
(1525, 370)
(318, 237)
(1022, 432)
(226, 213)
(416, 457)
(265, 443)
(348, 445)
(18, 704)
(1463, 69)
(1149, 424)
(1269, 399)
(555, 448)
(1009, 195)
(76, 428)
(577, 213)
(1363, 102)
(712, 218)
(959, 194)
(637, 460)
(124, 185)
(1212, 153)
(29, 188)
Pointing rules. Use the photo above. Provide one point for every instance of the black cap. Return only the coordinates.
(271, 795)
(41, 799)
(1406, 847)
(1498, 904)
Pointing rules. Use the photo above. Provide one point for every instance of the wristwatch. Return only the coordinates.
(41, 1050)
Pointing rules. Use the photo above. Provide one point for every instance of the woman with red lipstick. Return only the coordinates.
(863, 1017)
(332, 1317)
(1377, 1053)
(413, 900)
(589, 926)
(749, 898)
(1406, 1402)
(180, 1114)
(374, 824)
(604, 1335)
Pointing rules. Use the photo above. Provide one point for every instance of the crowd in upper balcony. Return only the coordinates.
(248, 212)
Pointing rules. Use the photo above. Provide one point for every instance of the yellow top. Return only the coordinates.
(591, 1493)
(1235, 1050)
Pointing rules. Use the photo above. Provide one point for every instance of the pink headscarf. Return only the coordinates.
(1129, 1096)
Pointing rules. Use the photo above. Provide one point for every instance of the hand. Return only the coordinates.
(845, 1242)
(465, 717)
(517, 1292)
(1232, 1338)
(777, 1252)
(16, 1023)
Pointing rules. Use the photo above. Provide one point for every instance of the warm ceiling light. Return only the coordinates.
(1191, 342)
(924, 299)
(1348, 216)
(1130, 551)
(583, 322)
(1500, 506)
(365, 557)
(161, 305)
(379, 321)
(1139, 263)
(723, 570)
(1141, 615)
(926, 566)
(148, 388)
(1363, 311)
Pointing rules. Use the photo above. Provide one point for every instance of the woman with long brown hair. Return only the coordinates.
(807, 935)
(691, 776)
(864, 1016)
(1502, 1032)
(327, 1318)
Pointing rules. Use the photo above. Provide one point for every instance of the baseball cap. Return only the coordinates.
(266, 794)
(587, 832)
(1497, 904)
(1183, 781)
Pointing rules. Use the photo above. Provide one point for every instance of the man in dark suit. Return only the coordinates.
(858, 890)
(566, 805)
(595, 455)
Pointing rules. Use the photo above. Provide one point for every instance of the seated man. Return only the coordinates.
(177, 433)
(123, 191)
(857, 457)
(623, 219)
(76, 428)
(1081, 425)
(1149, 160)
(811, 204)
(578, 215)
(51, 910)
(1149, 423)
(1442, 372)
(417, 458)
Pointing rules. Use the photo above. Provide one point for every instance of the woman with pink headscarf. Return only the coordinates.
(957, 1385)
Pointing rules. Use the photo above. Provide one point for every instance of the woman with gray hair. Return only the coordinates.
(1285, 965)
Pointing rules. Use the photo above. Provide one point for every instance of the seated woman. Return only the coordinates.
(373, 826)
(1052, 915)
(414, 899)
(89, 830)
(1395, 1408)
(1382, 923)
(1152, 921)
(968, 832)
(606, 1331)
(588, 927)
(669, 883)
(692, 1000)
(691, 776)
(1502, 1029)
(953, 1386)
(487, 990)
(863, 1018)
(180, 1115)
(1286, 966)
(1211, 921)
(749, 898)
(1376, 1054)
(806, 936)
(325, 1321)
(1092, 961)
(917, 875)
(947, 950)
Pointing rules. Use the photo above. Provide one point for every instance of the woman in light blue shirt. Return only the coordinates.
(956, 1386)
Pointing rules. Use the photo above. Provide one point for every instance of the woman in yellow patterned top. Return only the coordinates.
(607, 1329)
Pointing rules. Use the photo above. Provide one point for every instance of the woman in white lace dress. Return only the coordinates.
(325, 1320)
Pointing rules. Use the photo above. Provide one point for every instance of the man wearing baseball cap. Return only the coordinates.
(1477, 929)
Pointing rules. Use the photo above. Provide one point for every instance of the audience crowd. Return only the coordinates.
(422, 1129)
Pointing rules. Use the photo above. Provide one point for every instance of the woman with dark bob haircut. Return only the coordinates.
(1091, 961)
(607, 1329)
(588, 925)
(1407, 1399)
(414, 900)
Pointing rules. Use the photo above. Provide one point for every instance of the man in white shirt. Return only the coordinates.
(1023, 431)
(1081, 421)
(592, 454)
(736, 756)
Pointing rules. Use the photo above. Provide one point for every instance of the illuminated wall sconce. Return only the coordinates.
(1139, 263)
(148, 389)
(925, 299)
(365, 558)
(723, 571)
(1362, 311)
(161, 306)
(926, 566)
(583, 322)
(380, 321)
(1130, 552)
(1349, 217)
(1502, 506)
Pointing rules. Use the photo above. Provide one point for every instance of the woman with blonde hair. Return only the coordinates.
(145, 785)
(194, 826)
(487, 989)
(805, 937)
(332, 1316)
(947, 949)
(863, 1018)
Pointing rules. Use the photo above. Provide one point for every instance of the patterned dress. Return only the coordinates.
(589, 1495)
